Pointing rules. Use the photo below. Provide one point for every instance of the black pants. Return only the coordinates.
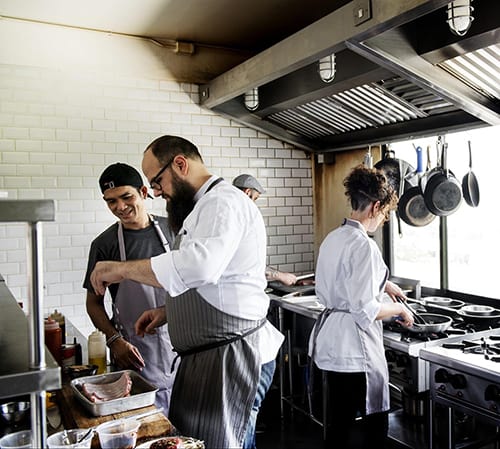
(346, 403)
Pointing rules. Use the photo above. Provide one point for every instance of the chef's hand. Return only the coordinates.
(405, 316)
(394, 291)
(286, 278)
(150, 320)
(126, 355)
(106, 273)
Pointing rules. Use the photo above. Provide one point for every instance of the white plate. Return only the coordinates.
(196, 444)
(300, 299)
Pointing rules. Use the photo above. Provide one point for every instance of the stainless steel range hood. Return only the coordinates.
(401, 73)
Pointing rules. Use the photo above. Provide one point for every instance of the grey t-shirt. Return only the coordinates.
(139, 244)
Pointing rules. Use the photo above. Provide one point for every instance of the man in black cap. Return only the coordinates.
(137, 235)
(252, 188)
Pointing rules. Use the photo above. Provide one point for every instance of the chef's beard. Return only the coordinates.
(181, 203)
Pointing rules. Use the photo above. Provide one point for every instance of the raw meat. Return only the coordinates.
(120, 388)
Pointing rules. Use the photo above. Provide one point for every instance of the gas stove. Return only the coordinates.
(465, 374)
(407, 370)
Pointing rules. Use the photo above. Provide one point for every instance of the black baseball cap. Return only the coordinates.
(119, 174)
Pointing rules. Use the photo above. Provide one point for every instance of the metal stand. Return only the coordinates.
(18, 378)
(287, 395)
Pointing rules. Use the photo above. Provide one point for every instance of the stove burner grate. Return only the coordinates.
(489, 349)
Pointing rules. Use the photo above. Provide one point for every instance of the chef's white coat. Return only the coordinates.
(222, 254)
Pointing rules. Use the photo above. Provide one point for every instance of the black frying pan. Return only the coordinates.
(443, 192)
(395, 170)
(470, 187)
(411, 206)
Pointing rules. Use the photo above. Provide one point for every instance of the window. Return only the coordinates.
(473, 232)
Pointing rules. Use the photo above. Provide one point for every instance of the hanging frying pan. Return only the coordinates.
(470, 187)
(411, 206)
(395, 170)
(443, 193)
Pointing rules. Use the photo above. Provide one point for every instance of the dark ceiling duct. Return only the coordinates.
(400, 73)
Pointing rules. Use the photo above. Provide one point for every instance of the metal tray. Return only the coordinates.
(142, 393)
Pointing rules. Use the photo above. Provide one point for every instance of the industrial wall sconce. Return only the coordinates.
(251, 99)
(460, 16)
(326, 68)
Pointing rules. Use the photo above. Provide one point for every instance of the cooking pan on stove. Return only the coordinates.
(442, 301)
(477, 310)
(434, 323)
(472, 314)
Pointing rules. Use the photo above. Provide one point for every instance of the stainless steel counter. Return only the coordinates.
(295, 347)
(297, 305)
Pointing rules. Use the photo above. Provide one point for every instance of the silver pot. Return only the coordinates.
(442, 302)
(490, 319)
(476, 310)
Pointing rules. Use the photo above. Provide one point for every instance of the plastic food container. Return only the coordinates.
(119, 433)
(16, 440)
(69, 439)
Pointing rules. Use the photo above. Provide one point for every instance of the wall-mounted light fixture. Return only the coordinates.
(252, 99)
(326, 68)
(460, 16)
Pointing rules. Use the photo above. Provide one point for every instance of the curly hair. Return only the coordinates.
(367, 185)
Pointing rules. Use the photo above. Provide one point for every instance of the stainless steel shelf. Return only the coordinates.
(27, 366)
(16, 377)
(27, 211)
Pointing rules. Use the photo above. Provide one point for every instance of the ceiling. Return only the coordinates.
(246, 25)
(400, 72)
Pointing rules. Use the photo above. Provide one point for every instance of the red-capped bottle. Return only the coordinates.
(53, 338)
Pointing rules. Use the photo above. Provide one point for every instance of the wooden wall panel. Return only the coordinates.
(330, 203)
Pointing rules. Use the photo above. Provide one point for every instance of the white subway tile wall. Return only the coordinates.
(60, 129)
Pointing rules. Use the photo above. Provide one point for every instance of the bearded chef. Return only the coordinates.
(217, 306)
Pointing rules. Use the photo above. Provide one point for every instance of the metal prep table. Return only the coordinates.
(287, 394)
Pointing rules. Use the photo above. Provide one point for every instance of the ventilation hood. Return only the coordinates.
(400, 74)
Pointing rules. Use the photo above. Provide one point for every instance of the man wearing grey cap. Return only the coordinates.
(136, 235)
(252, 188)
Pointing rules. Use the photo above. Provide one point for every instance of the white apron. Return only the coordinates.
(375, 363)
(131, 300)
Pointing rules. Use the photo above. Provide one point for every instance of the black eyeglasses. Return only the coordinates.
(156, 180)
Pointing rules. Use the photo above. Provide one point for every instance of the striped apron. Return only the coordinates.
(218, 374)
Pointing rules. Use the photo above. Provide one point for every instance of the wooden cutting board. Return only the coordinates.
(74, 416)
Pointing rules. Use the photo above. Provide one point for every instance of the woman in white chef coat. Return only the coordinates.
(347, 340)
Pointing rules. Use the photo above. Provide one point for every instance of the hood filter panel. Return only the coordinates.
(478, 69)
(371, 105)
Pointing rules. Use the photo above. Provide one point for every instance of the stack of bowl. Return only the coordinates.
(15, 413)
